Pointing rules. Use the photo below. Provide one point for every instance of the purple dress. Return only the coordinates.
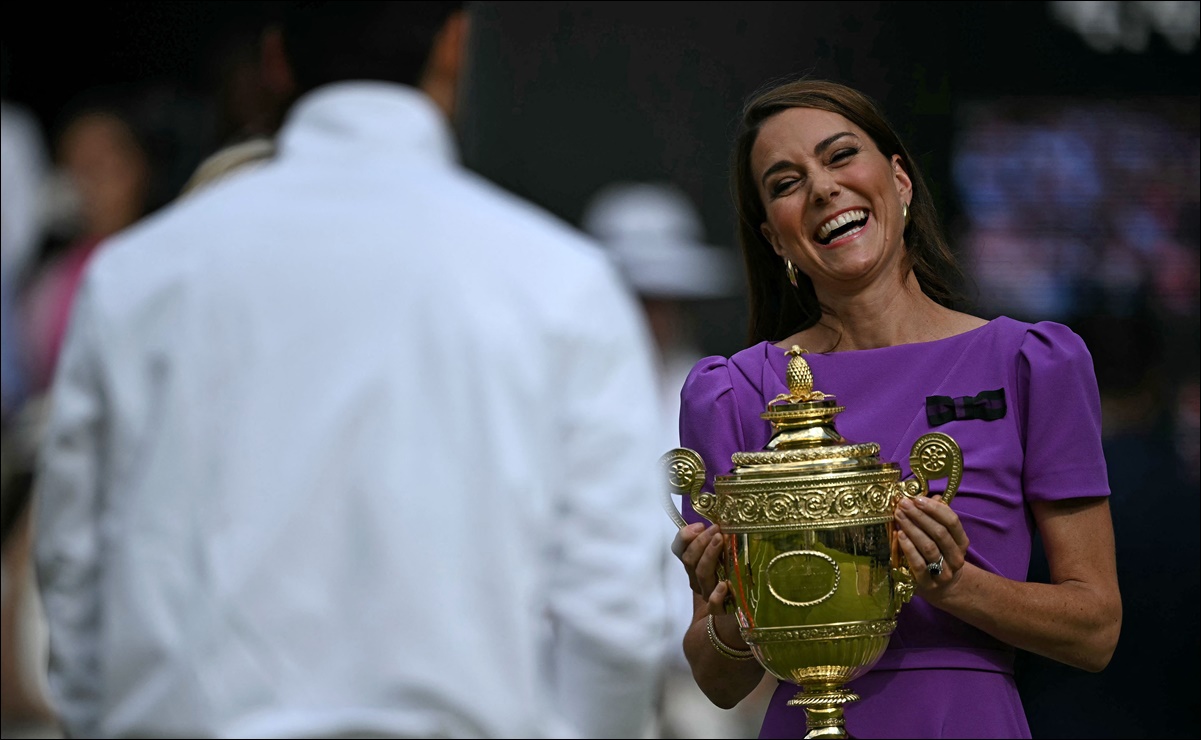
(1038, 438)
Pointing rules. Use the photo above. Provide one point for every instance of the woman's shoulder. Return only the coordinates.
(747, 359)
(1042, 340)
(716, 374)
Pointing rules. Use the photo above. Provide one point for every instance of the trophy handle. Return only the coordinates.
(685, 472)
(934, 455)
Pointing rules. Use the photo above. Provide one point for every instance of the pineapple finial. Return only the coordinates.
(800, 379)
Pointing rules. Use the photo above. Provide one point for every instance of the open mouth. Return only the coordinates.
(844, 224)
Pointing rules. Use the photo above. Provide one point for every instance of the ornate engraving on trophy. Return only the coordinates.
(810, 577)
(681, 474)
(878, 628)
(758, 506)
(936, 455)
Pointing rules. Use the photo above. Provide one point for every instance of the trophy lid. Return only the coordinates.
(804, 438)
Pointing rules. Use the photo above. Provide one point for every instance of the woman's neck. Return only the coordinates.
(885, 316)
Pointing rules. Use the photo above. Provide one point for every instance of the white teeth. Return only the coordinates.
(840, 220)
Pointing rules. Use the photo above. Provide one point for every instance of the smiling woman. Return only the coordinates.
(851, 147)
(846, 259)
(835, 208)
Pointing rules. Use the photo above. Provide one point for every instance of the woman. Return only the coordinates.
(109, 173)
(845, 259)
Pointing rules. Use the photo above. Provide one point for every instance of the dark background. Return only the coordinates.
(567, 97)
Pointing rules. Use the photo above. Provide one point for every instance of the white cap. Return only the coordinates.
(655, 235)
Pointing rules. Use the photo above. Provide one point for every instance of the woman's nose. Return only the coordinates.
(824, 188)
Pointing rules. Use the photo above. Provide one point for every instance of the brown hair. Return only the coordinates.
(776, 308)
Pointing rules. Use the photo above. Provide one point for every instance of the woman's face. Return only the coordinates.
(109, 171)
(833, 200)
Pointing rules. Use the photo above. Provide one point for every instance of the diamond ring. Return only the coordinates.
(935, 569)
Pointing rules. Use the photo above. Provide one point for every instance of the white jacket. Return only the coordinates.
(353, 443)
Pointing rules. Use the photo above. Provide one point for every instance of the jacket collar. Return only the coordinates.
(376, 119)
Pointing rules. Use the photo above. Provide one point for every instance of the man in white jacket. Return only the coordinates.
(354, 444)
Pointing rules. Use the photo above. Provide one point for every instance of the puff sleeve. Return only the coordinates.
(709, 421)
(1061, 416)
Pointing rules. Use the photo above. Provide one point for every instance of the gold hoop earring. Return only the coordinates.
(791, 270)
(905, 213)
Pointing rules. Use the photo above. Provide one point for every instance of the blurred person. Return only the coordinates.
(23, 176)
(107, 171)
(655, 236)
(24, 703)
(353, 444)
(23, 168)
(845, 259)
(98, 186)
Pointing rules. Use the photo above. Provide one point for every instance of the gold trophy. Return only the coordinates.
(810, 553)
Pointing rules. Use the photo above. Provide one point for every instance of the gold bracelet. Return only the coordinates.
(723, 648)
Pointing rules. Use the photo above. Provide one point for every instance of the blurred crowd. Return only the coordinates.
(1086, 212)
(112, 156)
(61, 199)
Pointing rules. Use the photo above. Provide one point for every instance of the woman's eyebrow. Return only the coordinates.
(783, 164)
(821, 147)
(825, 143)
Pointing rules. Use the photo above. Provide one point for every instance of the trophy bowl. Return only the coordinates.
(810, 547)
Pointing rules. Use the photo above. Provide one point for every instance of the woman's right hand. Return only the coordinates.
(724, 681)
(699, 548)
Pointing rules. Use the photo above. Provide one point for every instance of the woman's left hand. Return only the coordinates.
(931, 538)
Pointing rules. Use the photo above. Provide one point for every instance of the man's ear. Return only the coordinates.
(447, 63)
(276, 70)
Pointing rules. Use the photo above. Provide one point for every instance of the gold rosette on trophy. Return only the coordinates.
(810, 552)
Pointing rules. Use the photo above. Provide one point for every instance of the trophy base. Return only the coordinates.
(836, 733)
(823, 712)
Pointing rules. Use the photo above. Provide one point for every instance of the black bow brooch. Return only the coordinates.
(986, 405)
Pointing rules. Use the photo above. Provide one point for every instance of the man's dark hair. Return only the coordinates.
(335, 41)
